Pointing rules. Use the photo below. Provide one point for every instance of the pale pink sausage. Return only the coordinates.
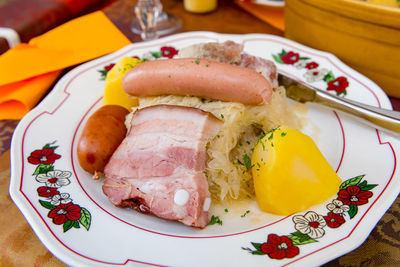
(198, 77)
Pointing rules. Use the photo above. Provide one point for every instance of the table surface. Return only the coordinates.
(20, 246)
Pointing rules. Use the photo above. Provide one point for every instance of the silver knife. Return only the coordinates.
(301, 92)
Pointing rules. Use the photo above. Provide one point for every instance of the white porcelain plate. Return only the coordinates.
(77, 223)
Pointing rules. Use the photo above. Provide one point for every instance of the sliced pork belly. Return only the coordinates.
(159, 167)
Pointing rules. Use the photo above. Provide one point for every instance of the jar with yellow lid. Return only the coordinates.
(200, 6)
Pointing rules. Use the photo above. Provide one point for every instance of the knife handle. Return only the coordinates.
(385, 118)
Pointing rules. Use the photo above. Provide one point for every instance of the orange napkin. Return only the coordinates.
(273, 15)
(28, 70)
(16, 99)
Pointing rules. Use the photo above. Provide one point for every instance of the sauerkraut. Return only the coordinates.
(228, 171)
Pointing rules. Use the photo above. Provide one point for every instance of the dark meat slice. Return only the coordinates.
(227, 52)
(265, 67)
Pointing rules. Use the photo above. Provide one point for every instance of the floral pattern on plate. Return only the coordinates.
(62, 209)
(312, 71)
(165, 52)
(310, 226)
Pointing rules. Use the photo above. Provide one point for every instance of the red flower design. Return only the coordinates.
(45, 191)
(353, 195)
(312, 65)
(339, 84)
(334, 220)
(65, 212)
(290, 58)
(279, 247)
(44, 156)
(109, 67)
(168, 51)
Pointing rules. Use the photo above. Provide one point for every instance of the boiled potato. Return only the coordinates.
(290, 173)
(113, 92)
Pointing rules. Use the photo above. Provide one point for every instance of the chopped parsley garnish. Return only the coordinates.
(247, 161)
(261, 142)
(226, 210)
(269, 135)
(215, 220)
(244, 214)
(197, 61)
(271, 132)
(207, 65)
(222, 115)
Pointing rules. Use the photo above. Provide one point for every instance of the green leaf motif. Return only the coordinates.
(103, 74)
(283, 53)
(353, 211)
(299, 238)
(76, 224)
(257, 252)
(86, 218)
(363, 183)
(68, 225)
(304, 58)
(329, 77)
(257, 245)
(366, 187)
(298, 241)
(43, 168)
(353, 181)
(341, 93)
(54, 147)
(156, 54)
(277, 59)
(47, 205)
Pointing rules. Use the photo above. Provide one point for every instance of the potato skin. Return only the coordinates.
(101, 136)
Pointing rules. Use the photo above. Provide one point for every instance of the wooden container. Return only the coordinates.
(364, 36)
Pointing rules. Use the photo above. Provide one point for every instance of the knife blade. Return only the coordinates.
(377, 117)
